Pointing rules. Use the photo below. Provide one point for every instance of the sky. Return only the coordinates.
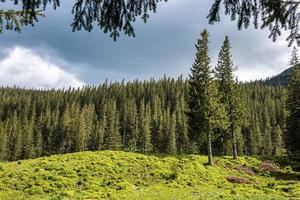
(49, 55)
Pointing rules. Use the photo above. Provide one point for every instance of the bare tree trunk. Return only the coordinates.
(209, 149)
(234, 146)
(124, 130)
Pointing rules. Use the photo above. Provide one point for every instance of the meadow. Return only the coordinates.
(124, 175)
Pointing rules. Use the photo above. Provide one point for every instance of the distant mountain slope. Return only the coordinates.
(110, 175)
(281, 79)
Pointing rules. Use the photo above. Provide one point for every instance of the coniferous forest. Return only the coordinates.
(143, 116)
(208, 113)
(221, 130)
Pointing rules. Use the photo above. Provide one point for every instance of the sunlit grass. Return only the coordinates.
(122, 175)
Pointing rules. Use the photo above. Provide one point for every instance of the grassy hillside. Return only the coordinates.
(121, 175)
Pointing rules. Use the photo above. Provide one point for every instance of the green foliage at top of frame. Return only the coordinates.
(122, 175)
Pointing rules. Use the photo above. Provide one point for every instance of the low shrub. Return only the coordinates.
(288, 169)
(34, 190)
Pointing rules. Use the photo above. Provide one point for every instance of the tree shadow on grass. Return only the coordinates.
(286, 176)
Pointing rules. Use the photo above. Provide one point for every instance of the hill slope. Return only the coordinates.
(121, 175)
(282, 78)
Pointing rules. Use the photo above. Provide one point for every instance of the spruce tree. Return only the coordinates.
(89, 123)
(3, 144)
(203, 99)
(230, 94)
(181, 126)
(267, 140)
(171, 148)
(100, 128)
(98, 136)
(278, 143)
(80, 135)
(294, 58)
(147, 133)
(38, 147)
(112, 138)
(67, 131)
(15, 139)
(156, 124)
(255, 137)
(166, 121)
(144, 128)
(27, 140)
(293, 106)
(130, 131)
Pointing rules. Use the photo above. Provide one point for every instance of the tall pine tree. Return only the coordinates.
(203, 100)
(230, 96)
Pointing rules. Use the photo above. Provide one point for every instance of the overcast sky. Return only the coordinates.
(50, 55)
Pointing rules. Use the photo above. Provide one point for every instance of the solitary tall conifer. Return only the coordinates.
(203, 100)
(228, 89)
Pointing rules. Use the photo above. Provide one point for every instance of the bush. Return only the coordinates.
(34, 190)
(288, 169)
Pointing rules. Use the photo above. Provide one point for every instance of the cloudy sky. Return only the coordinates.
(50, 55)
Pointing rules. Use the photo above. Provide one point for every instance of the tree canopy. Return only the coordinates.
(112, 17)
(115, 17)
(14, 20)
(277, 16)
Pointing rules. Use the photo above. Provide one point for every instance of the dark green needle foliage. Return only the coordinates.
(36, 123)
(294, 58)
(293, 106)
(205, 110)
(208, 113)
(15, 20)
(277, 141)
(112, 17)
(276, 15)
(116, 17)
(230, 97)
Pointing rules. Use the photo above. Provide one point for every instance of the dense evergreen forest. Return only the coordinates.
(142, 116)
(208, 113)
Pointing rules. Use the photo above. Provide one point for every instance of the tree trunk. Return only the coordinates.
(234, 146)
(124, 130)
(209, 149)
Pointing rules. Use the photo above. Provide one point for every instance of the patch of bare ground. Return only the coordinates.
(245, 169)
(241, 168)
(239, 180)
(269, 166)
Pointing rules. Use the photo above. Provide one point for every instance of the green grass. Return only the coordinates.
(122, 175)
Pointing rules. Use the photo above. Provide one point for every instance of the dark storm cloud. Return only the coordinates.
(165, 45)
